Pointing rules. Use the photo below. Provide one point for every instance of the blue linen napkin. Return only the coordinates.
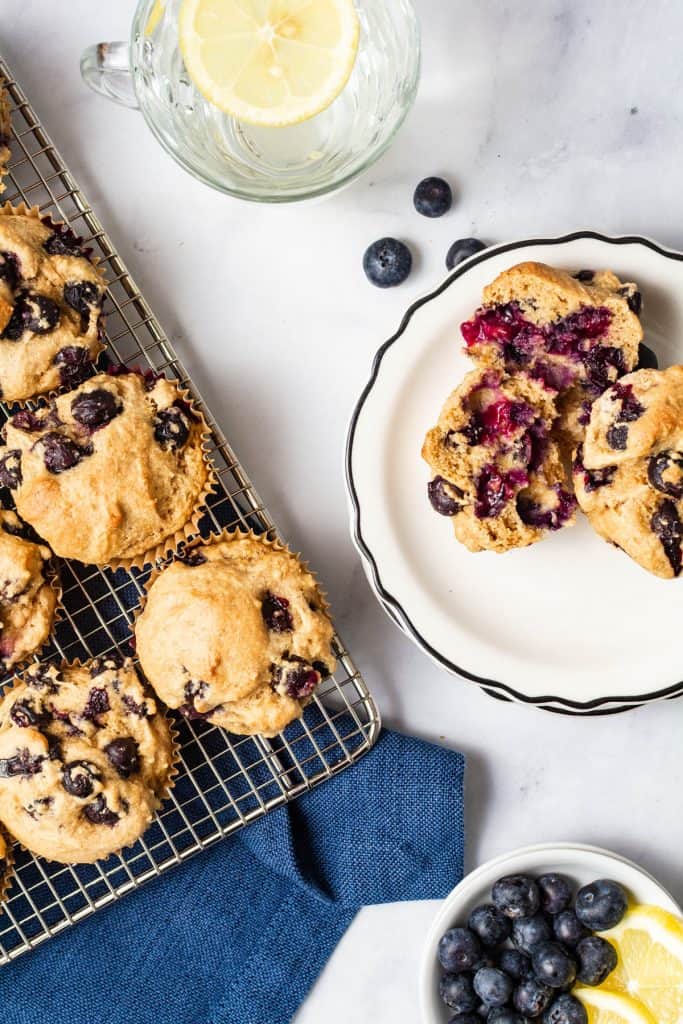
(238, 934)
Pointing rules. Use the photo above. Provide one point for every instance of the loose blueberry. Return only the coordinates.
(75, 365)
(433, 197)
(514, 963)
(94, 409)
(82, 296)
(568, 929)
(671, 464)
(10, 469)
(457, 992)
(556, 893)
(504, 1015)
(464, 1018)
(552, 965)
(601, 905)
(531, 997)
(516, 896)
(443, 496)
(171, 427)
(123, 755)
(597, 959)
(461, 250)
(666, 525)
(459, 950)
(647, 359)
(565, 1009)
(79, 777)
(98, 813)
(489, 924)
(61, 453)
(387, 262)
(276, 614)
(492, 986)
(23, 763)
(529, 932)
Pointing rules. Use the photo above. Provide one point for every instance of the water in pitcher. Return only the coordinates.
(300, 155)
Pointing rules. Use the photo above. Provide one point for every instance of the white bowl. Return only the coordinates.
(581, 864)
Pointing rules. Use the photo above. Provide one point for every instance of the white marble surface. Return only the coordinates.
(546, 116)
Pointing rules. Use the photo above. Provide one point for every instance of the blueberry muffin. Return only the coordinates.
(496, 470)
(576, 333)
(51, 297)
(628, 475)
(5, 131)
(29, 592)
(6, 864)
(110, 473)
(85, 759)
(236, 631)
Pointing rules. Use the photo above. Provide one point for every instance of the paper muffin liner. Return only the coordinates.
(170, 544)
(231, 535)
(165, 788)
(34, 212)
(8, 873)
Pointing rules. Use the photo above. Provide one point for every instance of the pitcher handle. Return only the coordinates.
(106, 69)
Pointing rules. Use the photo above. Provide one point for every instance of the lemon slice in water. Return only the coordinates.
(269, 62)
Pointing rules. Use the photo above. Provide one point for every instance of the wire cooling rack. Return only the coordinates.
(225, 781)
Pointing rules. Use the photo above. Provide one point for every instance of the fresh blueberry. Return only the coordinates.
(276, 614)
(597, 959)
(78, 778)
(123, 755)
(171, 427)
(516, 896)
(23, 763)
(556, 893)
(433, 197)
(61, 453)
(75, 365)
(504, 1015)
(457, 992)
(461, 250)
(459, 950)
(387, 262)
(568, 929)
(666, 524)
(531, 997)
(10, 469)
(493, 986)
(443, 496)
(647, 359)
(552, 965)
(601, 905)
(489, 924)
(98, 813)
(565, 1009)
(94, 409)
(671, 464)
(82, 296)
(514, 963)
(464, 1018)
(528, 932)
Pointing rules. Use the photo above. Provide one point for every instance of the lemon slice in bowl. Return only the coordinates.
(612, 1007)
(649, 945)
(269, 62)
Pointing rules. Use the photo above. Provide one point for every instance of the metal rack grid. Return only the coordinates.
(225, 781)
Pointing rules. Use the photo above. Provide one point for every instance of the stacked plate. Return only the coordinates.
(570, 624)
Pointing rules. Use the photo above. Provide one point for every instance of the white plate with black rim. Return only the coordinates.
(571, 623)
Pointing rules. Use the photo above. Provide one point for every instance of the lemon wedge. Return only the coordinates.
(269, 62)
(649, 944)
(612, 1007)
